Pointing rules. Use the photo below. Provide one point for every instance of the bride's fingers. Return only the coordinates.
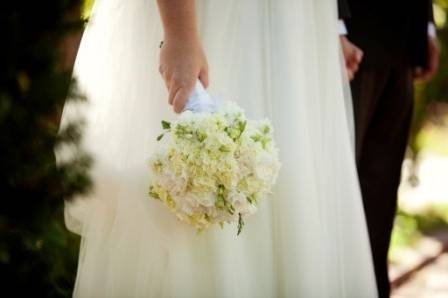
(181, 97)
(203, 77)
(172, 94)
(164, 75)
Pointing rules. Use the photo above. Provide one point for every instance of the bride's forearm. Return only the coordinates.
(182, 59)
(179, 19)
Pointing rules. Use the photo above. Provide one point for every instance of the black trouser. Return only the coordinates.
(383, 101)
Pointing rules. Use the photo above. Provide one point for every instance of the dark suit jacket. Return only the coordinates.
(388, 31)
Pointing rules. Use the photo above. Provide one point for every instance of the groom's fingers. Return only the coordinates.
(428, 72)
(357, 54)
(354, 61)
(354, 67)
(350, 74)
(353, 56)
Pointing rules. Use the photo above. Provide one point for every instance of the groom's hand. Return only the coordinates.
(427, 73)
(352, 55)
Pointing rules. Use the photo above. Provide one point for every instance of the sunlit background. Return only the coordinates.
(418, 256)
(45, 256)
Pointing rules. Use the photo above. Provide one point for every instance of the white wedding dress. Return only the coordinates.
(278, 59)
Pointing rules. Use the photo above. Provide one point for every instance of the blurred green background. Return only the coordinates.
(36, 250)
(429, 135)
(38, 257)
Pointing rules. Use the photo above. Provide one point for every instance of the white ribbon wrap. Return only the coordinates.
(200, 101)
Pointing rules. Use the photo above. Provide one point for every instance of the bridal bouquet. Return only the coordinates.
(214, 165)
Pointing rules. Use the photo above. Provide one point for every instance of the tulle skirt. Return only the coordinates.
(278, 59)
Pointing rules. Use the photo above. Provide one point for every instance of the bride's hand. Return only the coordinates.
(182, 62)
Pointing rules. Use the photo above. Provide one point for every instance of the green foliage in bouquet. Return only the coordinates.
(37, 254)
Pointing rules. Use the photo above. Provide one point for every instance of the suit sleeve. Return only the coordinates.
(343, 9)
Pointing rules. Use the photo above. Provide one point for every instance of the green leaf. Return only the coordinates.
(256, 138)
(266, 129)
(201, 136)
(242, 126)
(240, 223)
(220, 202)
(221, 189)
(153, 194)
(166, 124)
(230, 208)
(160, 137)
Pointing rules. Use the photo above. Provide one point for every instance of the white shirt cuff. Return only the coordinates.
(432, 32)
(342, 29)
